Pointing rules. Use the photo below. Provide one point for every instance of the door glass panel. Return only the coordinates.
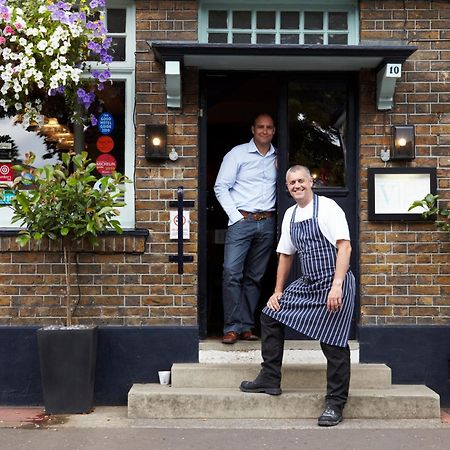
(116, 20)
(317, 131)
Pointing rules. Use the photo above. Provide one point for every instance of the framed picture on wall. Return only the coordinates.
(391, 191)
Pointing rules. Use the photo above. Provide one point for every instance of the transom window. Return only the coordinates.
(290, 23)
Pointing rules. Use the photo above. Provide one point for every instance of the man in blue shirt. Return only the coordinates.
(246, 189)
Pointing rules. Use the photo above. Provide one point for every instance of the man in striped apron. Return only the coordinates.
(320, 303)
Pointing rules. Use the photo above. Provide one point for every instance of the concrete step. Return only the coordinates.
(166, 402)
(297, 352)
(295, 376)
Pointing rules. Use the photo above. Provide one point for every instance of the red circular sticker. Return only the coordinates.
(106, 164)
(105, 144)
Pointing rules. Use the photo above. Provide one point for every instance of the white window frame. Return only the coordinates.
(121, 71)
(325, 6)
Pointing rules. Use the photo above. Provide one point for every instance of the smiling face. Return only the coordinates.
(263, 131)
(299, 183)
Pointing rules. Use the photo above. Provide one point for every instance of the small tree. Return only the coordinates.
(430, 204)
(65, 201)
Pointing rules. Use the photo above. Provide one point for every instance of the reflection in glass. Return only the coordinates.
(289, 38)
(337, 39)
(265, 20)
(265, 39)
(313, 39)
(313, 20)
(116, 20)
(118, 47)
(317, 131)
(217, 19)
(242, 38)
(242, 19)
(217, 38)
(289, 20)
(337, 21)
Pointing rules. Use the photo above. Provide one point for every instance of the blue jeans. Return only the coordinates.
(248, 246)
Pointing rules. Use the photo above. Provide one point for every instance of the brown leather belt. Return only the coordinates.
(260, 215)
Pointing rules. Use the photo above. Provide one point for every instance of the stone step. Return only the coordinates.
(300, 352)
(295, 376)
(166, 402)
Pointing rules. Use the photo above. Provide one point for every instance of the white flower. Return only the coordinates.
(49, 51)
(42, 45)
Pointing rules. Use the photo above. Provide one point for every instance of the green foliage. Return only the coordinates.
(65, 201)
(61, 201)
(431, 208)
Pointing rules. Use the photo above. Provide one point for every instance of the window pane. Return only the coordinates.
(289, 38)
(317, 130)
(242, 38)
(290, 20)
(106, 146)
(265, 39)
(313, 20)
(217, 38)
(337, 21)
(313, 38)
(242, 19)
(265, 20)
(337, 39)
(118, 48)
(217, 19)
(116, 20)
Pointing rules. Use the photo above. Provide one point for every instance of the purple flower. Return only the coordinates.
(93, 120)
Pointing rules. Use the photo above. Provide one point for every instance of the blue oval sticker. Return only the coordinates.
(105, 123)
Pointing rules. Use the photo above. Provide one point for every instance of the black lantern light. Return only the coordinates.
(403, 147)
(156, 142)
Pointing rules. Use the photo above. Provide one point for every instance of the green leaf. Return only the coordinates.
(64, 231)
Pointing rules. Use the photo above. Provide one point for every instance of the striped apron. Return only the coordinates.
(303, 303)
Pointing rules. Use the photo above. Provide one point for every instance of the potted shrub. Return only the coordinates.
(45, 46)
(66, 202)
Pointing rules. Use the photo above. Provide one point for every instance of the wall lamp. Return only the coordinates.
(402, 146)
(156, 142)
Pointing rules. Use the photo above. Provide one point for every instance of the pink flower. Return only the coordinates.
(2, 40)
(8, 30)
(18, 26)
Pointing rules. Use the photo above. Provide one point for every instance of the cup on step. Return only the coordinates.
(164, 376)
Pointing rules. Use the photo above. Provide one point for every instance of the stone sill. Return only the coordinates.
(130, 241)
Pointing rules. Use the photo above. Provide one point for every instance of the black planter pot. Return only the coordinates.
(67, 358)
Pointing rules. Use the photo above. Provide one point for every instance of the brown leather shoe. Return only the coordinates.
(248, 336)
(230, 338)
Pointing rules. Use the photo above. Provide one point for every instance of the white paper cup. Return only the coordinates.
(164, 376)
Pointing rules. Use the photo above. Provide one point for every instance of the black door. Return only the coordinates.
(315, 120)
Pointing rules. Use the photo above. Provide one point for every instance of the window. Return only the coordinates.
(290, 22)
(110, 144)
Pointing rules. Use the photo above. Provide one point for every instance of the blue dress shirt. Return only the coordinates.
(247, 180)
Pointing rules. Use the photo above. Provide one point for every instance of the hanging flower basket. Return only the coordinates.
(45, 46)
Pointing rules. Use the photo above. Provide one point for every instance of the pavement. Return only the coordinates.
(109, 428)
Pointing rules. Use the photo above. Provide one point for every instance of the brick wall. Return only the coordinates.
(405, 267)
(128, 280)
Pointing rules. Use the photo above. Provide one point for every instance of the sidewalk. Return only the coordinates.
(116, 417)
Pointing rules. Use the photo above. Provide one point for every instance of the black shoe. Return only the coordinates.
(330, 417)
(257, 387)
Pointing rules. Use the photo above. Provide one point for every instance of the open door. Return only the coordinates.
(312, 118)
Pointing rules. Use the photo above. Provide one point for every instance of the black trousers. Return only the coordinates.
(338, 362)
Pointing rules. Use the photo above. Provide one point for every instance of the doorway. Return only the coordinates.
(314, 116)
